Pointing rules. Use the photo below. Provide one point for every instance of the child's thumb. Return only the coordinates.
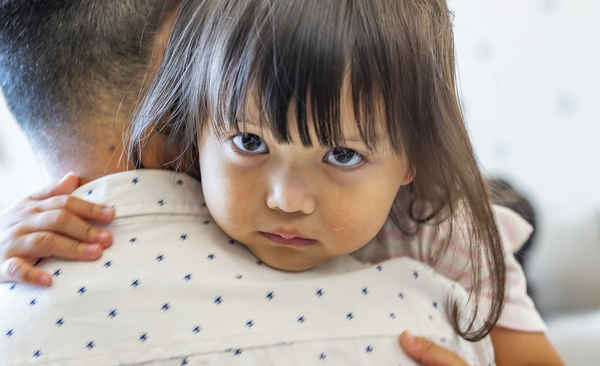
(66, 185)
(427, 353)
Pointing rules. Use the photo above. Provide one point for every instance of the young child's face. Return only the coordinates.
(296, 207)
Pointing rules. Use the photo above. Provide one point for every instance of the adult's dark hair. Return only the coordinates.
(397, 57)
(62, 60)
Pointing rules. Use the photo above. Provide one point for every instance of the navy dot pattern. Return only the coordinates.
(174, 289)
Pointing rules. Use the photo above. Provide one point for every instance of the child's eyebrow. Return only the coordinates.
(353, 138)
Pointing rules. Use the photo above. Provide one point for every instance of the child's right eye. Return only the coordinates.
(249, 143)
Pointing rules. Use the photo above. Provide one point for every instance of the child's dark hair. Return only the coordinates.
(397, 57)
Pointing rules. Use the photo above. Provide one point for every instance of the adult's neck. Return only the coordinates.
(89, 155)
(99, 150)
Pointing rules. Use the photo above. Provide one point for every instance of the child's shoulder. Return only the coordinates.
(514, 229)
(418, 243)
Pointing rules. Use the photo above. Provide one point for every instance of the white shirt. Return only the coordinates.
(173, 289)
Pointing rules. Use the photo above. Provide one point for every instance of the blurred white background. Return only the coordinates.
(531, 89)
(20, 174)
(530, 83)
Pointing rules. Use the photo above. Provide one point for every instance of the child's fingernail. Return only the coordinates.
(92, 250)
(44, 280)
(65, 177)
(411, 339)
(103, 237)
(107, 212)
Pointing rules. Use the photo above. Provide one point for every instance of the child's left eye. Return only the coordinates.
(249, 143)
(343, 157)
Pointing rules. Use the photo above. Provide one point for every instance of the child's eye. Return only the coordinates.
(249, 143)
(343, 157)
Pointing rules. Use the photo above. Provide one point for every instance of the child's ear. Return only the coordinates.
(408, 177)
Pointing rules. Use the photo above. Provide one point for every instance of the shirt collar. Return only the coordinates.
(146, 192)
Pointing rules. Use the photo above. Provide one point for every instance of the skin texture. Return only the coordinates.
(295, 188)
(523, 348)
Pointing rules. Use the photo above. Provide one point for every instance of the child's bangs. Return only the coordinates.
(302, 62)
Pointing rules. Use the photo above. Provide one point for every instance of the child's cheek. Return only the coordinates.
(352, 226)
(355, 215)
(234, 197)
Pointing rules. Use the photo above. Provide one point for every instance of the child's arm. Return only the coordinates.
(50, 223)
(517, 348)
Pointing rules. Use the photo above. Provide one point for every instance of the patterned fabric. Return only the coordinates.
(519, 311)
(175, 290)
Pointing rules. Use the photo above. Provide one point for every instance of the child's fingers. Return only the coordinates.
(68, 224)
(86, 210)
(47, 244)
(66, 185)
(19, 270)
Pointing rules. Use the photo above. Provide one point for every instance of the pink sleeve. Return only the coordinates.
(519, 310)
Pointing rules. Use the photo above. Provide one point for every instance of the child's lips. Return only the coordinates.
(288, 238)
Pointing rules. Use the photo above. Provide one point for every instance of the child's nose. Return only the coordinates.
(291, 192)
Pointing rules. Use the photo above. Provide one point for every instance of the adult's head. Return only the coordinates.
(71, 70)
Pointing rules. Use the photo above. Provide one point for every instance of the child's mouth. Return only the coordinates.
(288, 239)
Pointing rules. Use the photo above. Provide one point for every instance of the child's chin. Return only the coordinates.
(290, 264)
(294, 269)
(285, 259)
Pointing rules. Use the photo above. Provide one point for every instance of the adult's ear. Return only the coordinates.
(161, 151)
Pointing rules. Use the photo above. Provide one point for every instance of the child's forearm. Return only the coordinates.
(515, 348)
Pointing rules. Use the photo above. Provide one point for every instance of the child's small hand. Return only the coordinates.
(50, 223)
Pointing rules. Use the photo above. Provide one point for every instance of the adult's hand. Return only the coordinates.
(427, 353)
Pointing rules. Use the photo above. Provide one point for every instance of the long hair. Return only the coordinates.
(398, 58)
